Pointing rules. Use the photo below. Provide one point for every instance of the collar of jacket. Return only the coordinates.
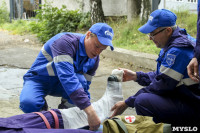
(179, 38)
(82, 51)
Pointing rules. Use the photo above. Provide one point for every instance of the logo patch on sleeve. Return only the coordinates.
(170, 59)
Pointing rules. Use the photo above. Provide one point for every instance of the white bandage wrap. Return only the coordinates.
(74, 118)
(118, 73)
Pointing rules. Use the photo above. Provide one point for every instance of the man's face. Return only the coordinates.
(92, 45)
(160, 36)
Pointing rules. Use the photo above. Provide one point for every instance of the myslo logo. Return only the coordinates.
(184, 129)
(108, 33)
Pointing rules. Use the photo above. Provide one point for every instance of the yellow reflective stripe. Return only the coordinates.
(50, 69)
(88, 77)
(187, 82)
(171, 73)
(46, 55)
(63, 58)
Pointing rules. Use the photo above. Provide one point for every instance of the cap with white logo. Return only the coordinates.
(159, 18)
(104, 33)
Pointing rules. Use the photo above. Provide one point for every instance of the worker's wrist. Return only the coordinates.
(89, 110)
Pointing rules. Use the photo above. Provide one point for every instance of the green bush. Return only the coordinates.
(4, 15)
(52, 20)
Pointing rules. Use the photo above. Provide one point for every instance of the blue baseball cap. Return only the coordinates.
(104, 33)
(158, 18)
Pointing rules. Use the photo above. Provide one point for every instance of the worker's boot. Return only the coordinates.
(45, 107)
(65, 104)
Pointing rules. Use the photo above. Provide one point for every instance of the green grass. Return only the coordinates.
(20, 27)
(126, 35)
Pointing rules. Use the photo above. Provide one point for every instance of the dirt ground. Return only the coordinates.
(17, 53)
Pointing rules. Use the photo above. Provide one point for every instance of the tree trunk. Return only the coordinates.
(133, 9)
(96, 11)
(155, 4)
(18, 9)
(146, 6)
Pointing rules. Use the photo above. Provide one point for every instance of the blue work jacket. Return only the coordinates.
(170, 77)
(64, 57)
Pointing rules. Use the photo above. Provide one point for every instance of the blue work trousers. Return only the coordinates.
(36, 88)
(167, 109)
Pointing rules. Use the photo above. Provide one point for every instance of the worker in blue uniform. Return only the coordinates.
(169, 95)
(64, 68)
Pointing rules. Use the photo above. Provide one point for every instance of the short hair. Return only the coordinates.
(173, 27)
(92, 35)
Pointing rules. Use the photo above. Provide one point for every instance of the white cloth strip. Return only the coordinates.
(74, 118)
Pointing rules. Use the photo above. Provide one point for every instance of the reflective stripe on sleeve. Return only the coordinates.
(46, 55)
(50, 69)
(187, 82)
(171, 73)
(48, 66)
(63, 58)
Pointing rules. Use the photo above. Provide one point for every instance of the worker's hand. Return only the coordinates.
(192, 70)
(119, 108)
(93, 120)
(128, 75)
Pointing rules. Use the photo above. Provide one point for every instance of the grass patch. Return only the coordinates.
(20, 27)
(127, 36)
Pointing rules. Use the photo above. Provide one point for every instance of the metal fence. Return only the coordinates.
(23, 9)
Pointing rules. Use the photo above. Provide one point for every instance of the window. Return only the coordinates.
(192, 1)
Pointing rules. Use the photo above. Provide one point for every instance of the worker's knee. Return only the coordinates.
(142, 102)
(30, 105)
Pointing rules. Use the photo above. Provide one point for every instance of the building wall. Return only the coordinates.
(110, 7)
(71, 4)
(179, 5)
(114, 7)
(7, 4)
(118, 7)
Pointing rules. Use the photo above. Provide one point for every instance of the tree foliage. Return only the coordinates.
(52, 20)
(4, 15)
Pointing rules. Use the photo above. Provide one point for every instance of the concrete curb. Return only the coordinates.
(143, 60)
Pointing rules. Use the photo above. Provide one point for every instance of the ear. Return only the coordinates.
(169, 31)
(88, 34)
